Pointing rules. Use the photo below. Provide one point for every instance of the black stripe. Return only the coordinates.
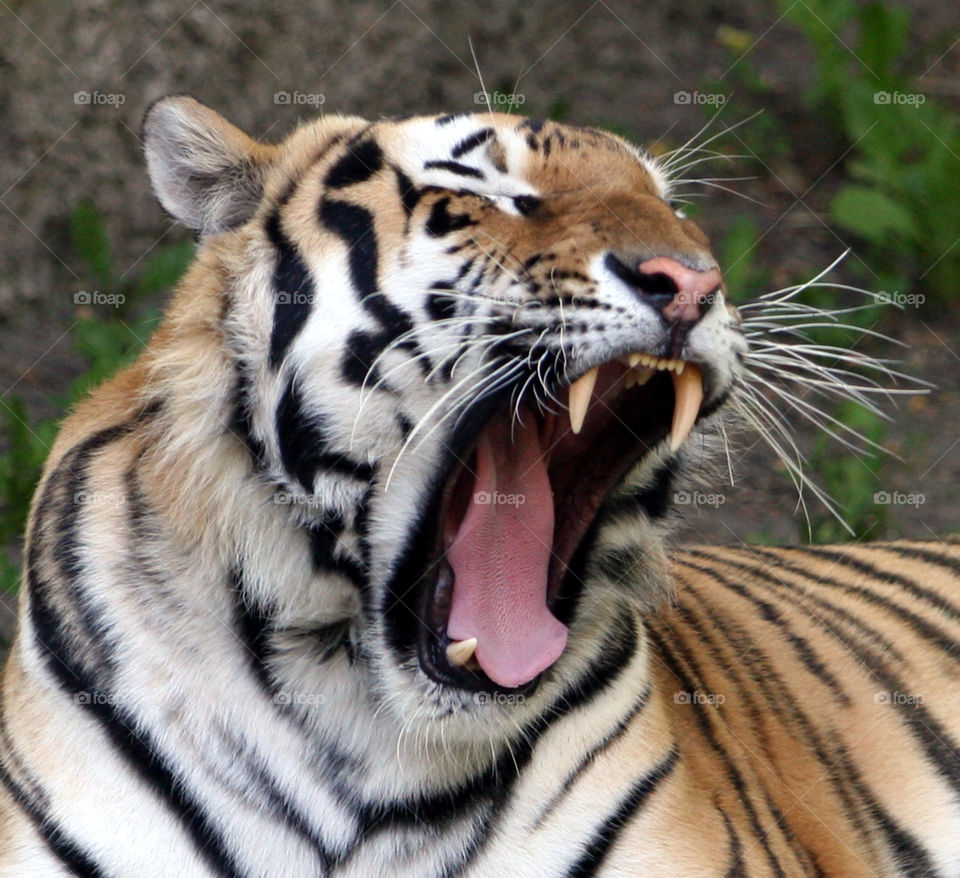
(441, 222)
(455, 168)
(591, 756)
(57, 647)
(357, 165)
(798, 596)
(254, 627)
(448, 118)
(323, 535)
(489, 791)
(75, 860)
(665, 653)
(293, 291)
(606, 836)
(33, 802)
(737, 868)
(801, 646)
(410, 195)
(911, 859)
(354, 225)
(919, 553)
(766, 683)
(940, 748)
(303, 449)
(241, 419)
(613, 655)
(471, 142)
(927, 595)
(774, 689)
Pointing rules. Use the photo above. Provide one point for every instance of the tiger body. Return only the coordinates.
(226, 658)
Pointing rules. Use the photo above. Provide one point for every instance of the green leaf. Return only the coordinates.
(164, 268)
(90, 238)
(872, 214)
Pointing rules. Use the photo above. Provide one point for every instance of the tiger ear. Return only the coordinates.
(204, 171)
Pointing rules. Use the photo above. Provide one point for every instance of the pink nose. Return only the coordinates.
(693, 288)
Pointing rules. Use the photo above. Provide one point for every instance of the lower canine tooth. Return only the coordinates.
(459, 652)
(580, 392)
(688, 395)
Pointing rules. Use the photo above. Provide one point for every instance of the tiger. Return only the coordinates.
(366, 565)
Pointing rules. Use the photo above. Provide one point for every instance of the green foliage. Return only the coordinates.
(106, 341)
(904, 147)
(851, 479)
(745, 279)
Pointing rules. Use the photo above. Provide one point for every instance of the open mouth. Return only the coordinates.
(518, 506)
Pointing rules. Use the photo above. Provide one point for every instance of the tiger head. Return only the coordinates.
(472, 354)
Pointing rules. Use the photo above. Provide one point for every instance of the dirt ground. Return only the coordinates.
(77, 78)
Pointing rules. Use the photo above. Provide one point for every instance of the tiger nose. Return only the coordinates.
(682, 294)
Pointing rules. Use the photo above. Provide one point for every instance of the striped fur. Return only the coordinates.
(215, 671)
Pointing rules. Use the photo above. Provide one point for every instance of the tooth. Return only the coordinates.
(580, 392)
(647, 360)
(688, 394)
(633, 359)
(459, 652)
(629, 379)
(643, 376)
(681, 365)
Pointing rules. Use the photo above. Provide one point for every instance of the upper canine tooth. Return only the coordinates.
(688, 395)
(580, 392)
(633, 359)
(459, 652)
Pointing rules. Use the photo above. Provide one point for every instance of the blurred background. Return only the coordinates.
(843, 136)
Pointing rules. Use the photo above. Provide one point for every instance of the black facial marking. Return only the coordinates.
(526, 204)
(357, 165)
(354, 224)
(293, 291)
(442, 222)
(455, 168)
(471, 142)
(303, 448)
(410, 195)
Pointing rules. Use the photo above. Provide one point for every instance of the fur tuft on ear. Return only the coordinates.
(205, 172)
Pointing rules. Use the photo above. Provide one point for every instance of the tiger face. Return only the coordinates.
(472, 352)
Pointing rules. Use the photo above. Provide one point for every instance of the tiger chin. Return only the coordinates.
(360, 568)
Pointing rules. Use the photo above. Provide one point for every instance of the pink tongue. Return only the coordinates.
(500, 557)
